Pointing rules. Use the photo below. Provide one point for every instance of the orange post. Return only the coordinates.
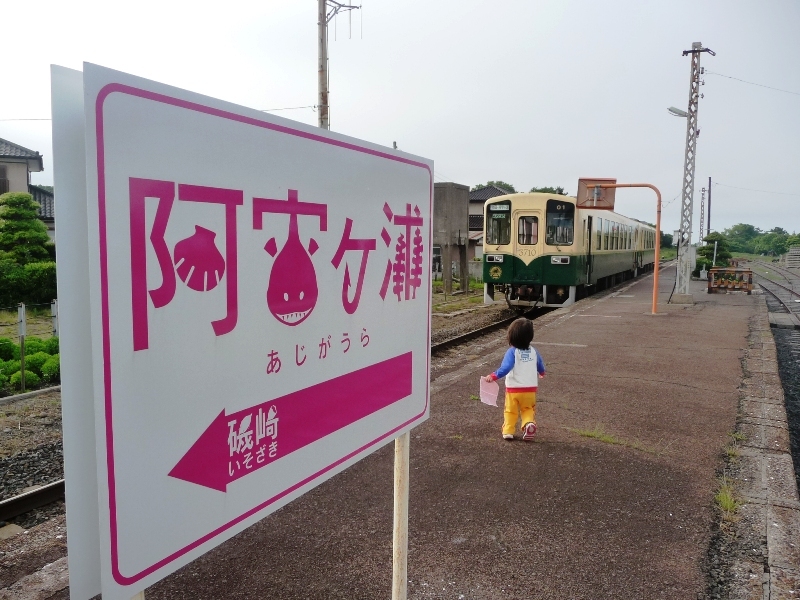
(658, 230)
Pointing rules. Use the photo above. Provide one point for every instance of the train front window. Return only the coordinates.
(498, 224)
(560, 223)
(528, 230)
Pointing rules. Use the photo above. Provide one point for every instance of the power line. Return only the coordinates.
(754, 190)
(314, 106)
(752, 83)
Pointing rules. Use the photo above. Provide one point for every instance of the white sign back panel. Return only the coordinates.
(80, 468)
(260, 297)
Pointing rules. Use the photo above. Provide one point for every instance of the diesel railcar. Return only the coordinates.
(544, 250)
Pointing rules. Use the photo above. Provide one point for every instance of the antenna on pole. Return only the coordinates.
(327, 10)
(685, 266)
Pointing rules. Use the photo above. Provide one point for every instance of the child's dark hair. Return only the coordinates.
(520, 333)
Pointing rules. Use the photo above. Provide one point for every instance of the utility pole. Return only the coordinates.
(685, 266)
(323, 18)
(702, 210)
(709, 207)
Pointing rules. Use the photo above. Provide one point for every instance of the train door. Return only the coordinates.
(527, 246)
(589, 256)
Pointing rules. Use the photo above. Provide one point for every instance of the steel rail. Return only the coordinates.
(18, 505)
(783, 272)
(470, 335)
(774, 295)
(791, 291)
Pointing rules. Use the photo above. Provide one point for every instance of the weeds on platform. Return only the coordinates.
(599, 434)
(727, 500)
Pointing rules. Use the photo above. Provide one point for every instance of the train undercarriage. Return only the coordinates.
(528, 295)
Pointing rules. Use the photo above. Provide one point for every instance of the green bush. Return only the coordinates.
(31, 380)
(32, 283)
(8, 349)
(51, 346)
(33, 345)
(3, 381)
(35, 361)
(10, 367)
(51, 369)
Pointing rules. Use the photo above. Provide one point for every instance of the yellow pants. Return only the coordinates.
(518, 404)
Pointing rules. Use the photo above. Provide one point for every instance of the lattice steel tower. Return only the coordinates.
(685, 266)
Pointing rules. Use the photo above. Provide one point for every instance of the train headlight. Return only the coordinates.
(494, 258)
(559, 260)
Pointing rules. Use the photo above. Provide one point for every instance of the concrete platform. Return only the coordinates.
(784, 321)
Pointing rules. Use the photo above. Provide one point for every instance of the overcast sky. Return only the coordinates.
(530, 92)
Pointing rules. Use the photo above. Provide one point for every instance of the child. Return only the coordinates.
(522, 366)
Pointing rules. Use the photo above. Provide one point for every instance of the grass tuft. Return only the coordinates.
(726, 500)
(599, 434)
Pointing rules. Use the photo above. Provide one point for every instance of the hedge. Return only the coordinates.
(31, 283)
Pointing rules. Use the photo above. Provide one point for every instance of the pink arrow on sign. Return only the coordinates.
(240, 443)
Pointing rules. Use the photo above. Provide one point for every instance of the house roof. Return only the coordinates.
(476, 222)
(15, 151)
(483, 194)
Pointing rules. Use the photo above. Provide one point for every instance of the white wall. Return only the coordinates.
(17, 174)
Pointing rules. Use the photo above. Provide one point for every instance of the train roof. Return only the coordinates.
(549, 196)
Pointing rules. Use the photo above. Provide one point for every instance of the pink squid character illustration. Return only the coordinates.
(292, 290)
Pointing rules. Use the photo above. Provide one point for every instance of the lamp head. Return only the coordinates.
(677, 112)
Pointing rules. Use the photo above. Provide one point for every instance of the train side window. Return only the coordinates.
(498, 224)
(616, 236)
(560, 223)
(606, 234)
(599, 234)
(528, 230)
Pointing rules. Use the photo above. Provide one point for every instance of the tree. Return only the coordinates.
(499, 184)
(705, 254)
(666, 240)
(778, 230)
(23, 237)
(550, 190)
(771, 243)
(741, 237)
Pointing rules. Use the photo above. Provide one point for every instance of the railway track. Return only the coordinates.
(24, 503)
(785, 295)
(465, 337)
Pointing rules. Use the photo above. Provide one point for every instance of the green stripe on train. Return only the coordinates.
(542, 270)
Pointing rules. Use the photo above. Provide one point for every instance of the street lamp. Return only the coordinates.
(677, 112)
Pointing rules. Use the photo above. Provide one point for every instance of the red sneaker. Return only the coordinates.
(529, 431)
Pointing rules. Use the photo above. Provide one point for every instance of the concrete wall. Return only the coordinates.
(450, 213)
(451, 227)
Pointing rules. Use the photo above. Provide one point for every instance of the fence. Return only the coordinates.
(15, 322)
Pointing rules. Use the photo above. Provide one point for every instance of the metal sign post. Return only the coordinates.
(22, 326)
(400, 535)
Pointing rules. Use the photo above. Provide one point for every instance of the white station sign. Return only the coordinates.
(260, 300)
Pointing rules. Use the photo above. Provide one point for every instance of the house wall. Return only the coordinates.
(17, 174)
